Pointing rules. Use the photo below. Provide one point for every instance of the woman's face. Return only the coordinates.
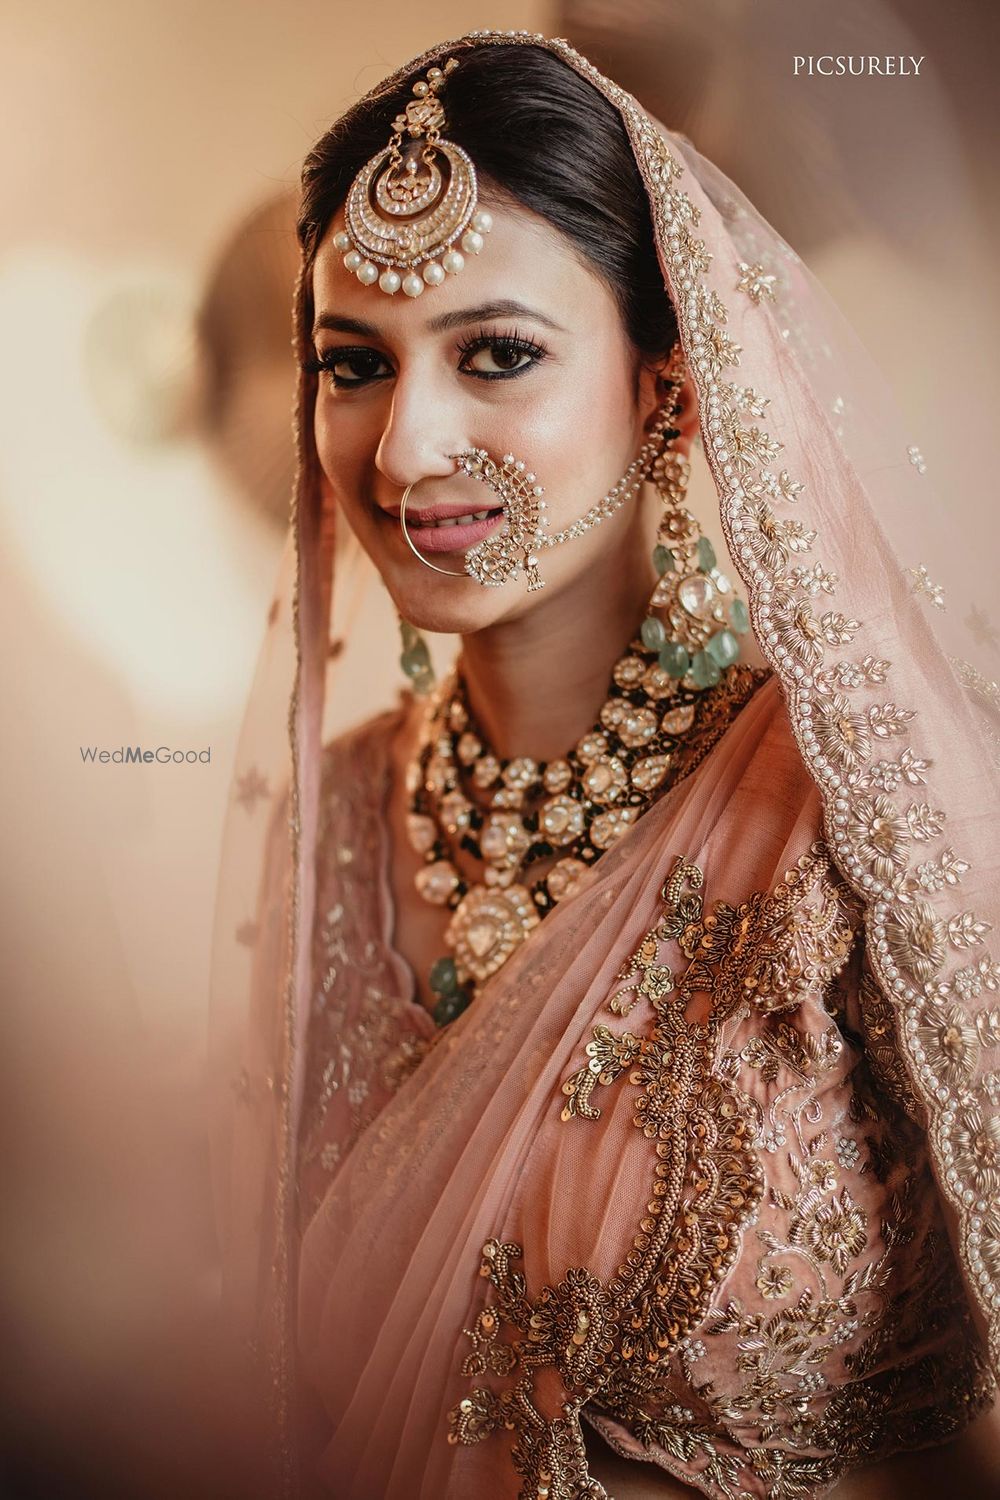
(523, 352)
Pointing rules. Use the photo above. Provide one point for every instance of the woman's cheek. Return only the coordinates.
(342, 455)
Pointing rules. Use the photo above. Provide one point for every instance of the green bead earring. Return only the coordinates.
(695, 618)
(415, 659)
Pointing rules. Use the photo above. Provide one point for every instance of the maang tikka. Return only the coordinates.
(414, 201)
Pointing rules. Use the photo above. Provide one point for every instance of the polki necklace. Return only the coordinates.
(507, 817)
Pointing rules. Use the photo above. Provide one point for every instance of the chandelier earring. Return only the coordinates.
(415, 658)
(695, 618)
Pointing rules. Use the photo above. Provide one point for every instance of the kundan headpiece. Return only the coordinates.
(413, 200)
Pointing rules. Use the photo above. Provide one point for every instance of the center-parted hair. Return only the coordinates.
(539, 134)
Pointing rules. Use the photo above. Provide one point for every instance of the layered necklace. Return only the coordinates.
(507, 816)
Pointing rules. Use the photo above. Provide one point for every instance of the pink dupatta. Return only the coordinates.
(811, 1064)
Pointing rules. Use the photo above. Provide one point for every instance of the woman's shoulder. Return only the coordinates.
(372, 738)
(357, 763)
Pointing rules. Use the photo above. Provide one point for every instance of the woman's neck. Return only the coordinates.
(536, 684)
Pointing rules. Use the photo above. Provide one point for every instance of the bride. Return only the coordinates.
(615, 1097)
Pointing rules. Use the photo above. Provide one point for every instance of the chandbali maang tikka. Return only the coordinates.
(411, 203)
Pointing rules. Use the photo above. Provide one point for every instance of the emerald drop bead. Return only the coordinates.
(444, 976)
(704, 671)
(415, 660)
(450, 1006)
(663, 559)
(706, 554)
(653, 633)
(723, 648)
(674, 659)
(738, 616)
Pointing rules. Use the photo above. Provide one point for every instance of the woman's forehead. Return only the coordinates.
(527, 266)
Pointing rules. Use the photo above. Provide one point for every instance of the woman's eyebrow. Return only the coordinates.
(336, 324)
(502, 308)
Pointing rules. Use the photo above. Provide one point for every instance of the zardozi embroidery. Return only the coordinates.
(629, 1349)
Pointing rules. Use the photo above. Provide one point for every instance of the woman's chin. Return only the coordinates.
(468, 609)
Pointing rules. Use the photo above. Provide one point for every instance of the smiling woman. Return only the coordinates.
(616, 1088)
(552, 377)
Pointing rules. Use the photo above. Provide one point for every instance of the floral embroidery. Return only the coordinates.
(834, 1231)
(360, 1046)
(882, 835)
(774, 1281)
(755, 281)
(250, 788)
(809, 1374)
(923, 584)
(706, 1184)
(487, 1354)
(610, 1056)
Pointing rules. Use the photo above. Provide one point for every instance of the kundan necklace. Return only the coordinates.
(531, 828)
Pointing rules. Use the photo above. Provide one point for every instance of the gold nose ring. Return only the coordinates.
(448, 572)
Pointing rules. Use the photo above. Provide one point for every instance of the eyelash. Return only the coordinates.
(331, 358)
(510, 341)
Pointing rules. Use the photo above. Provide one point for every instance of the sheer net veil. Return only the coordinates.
(866, 584)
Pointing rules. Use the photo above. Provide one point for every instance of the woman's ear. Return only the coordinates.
(653, 394)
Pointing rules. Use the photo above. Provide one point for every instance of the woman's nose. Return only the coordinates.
(419, 435)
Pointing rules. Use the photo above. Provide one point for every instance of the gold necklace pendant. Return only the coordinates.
(488, 925)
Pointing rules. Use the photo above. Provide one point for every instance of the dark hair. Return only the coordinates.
(538, 133)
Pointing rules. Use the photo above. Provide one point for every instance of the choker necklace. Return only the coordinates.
(508, 816)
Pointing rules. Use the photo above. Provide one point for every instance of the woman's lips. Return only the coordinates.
(439, 532)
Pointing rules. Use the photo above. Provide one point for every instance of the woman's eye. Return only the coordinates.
(351, 367)
(497, 358)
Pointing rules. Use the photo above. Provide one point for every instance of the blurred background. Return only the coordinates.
(147, 255)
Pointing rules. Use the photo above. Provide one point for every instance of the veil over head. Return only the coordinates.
(866, 587)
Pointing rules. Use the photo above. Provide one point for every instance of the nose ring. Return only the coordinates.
(512, 549)
(448, 572)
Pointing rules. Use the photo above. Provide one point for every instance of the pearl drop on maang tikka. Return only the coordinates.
(412, 203)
